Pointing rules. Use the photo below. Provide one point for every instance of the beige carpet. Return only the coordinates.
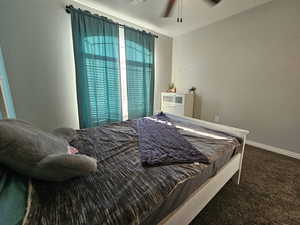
(269, 193)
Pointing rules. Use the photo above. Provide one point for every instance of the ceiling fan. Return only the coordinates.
(172, 3)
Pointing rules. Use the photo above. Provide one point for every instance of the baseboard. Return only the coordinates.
(274, 149)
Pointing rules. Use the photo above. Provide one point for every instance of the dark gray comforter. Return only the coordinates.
(122, 191)
(161, 144)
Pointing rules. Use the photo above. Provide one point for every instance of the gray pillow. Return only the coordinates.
(66, 133)
(33, 152)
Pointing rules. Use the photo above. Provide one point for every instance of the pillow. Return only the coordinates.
(41, 155)
(65, 133)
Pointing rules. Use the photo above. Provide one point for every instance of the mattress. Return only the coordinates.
(218, 154)
(122, 191)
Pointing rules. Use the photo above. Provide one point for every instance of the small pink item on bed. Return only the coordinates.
(72, 150)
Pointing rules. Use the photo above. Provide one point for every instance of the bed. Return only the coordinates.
(205, 191)
(124, 192)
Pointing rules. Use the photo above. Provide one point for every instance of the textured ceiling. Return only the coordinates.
(196, 13)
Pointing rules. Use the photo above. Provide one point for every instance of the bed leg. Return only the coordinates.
(238, 178)
(235, 179)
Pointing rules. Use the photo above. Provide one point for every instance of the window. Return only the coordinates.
(139, 48)
(137, 74)
(103, 74)
(114, 70)
(123, 75)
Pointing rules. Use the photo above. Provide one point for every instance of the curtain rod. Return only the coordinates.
(70, 7)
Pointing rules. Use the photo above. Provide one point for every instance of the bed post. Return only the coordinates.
(241, 161)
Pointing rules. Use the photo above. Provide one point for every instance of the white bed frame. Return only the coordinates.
(184, 214)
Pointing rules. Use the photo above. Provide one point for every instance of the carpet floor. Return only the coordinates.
(269, 193)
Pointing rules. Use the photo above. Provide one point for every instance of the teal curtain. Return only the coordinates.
(7, 93)
(96, 50)
(13, 197)
(139, 47)
(13, 187)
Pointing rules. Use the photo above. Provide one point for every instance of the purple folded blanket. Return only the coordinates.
(161, 144)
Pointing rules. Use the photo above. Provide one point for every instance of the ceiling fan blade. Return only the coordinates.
(169, 8)
(213, 2)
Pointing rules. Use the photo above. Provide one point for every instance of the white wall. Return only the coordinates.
(247, 71)
(37, 45)
(163, 61)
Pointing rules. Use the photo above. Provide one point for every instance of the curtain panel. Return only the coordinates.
(6, 92)
(96, 51)
(139, 48)
(13, 187)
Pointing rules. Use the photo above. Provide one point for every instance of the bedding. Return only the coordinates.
(122, 191)
(219, 154)
(161, 144)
